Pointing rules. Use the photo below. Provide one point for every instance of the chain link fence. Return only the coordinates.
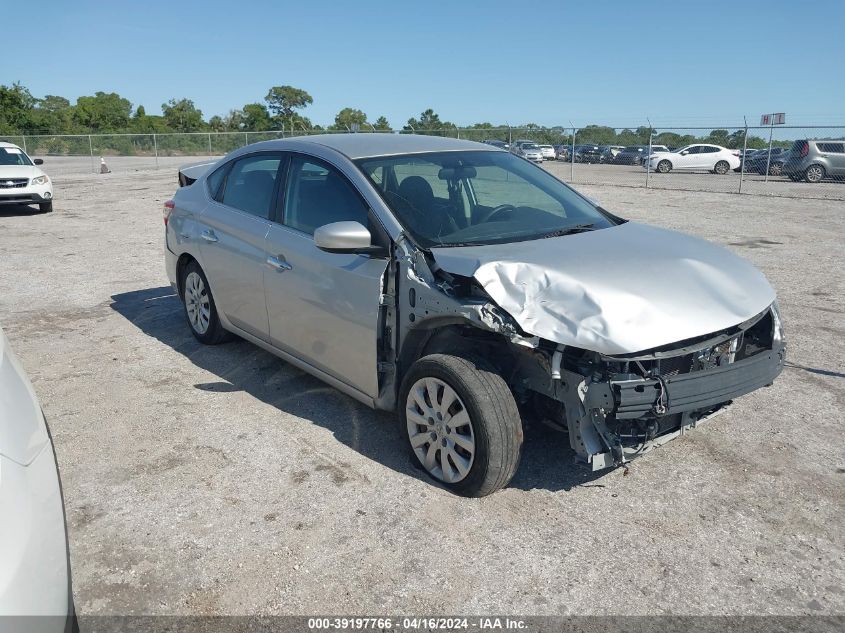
(759, 159)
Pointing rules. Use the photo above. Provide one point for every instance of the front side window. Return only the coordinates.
(317, 194)
(484, 198)
(250, 183)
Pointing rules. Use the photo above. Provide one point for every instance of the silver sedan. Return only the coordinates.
(459, 285)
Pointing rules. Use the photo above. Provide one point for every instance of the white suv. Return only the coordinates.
(21, 181)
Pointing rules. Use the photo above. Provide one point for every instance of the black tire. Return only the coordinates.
(722, 167)
(814, 173)
(494, 417)
(664, 166)
(214, 333)
(45, 207)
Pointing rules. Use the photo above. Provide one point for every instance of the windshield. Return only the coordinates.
(529, 146)
(13, 156)
(478, 197)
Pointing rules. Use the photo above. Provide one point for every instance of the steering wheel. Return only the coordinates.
(502, 208)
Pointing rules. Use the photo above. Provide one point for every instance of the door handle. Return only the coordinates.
(209, 236)
(279, 264)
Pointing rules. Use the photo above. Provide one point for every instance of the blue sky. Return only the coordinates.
(511, 62)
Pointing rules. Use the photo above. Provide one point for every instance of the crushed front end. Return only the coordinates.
(619, 407)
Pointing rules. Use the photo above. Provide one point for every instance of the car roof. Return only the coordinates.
(364, 145)
(5, 144)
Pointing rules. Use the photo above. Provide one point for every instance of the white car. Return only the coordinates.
(548, 152)
(34, 564)
(531, 151)
(21, 181)
(699, 157)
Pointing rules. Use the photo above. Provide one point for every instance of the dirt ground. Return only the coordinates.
(221, 480)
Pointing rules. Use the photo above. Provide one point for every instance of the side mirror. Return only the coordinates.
(684, 153)
(344, 237)
(38, 161)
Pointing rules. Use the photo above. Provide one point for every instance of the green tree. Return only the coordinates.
(382, 124)
(256, 118)
(52, 114)
(104, 112)
(216, 124)
(346, 118)
(718, 137)
(284, 101)
(16, 105)
(428, 123)
(182, 115)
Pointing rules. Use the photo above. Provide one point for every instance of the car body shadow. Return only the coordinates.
(18, 210)
(547, 460)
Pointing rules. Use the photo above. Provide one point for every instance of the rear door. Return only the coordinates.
(835, 155)
(323, 307)
(233, 230)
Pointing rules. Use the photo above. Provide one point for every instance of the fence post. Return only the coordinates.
(769, 157)
(572, 159)
(91, 150)
(23, 142)
(648, 157)
(744, 151)
(155, 148)
(209, 143)
(246, 139)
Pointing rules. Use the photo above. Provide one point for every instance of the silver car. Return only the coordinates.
(530, 151)
(449, 281)
(34, 563)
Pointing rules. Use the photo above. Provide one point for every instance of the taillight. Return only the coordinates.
(168, 209)
(805, 149)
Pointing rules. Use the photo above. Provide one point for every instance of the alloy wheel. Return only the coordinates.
(197, 303)
(815, 173)
(440, 430)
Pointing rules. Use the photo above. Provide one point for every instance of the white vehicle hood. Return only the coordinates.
(619, 290)
(19, 171)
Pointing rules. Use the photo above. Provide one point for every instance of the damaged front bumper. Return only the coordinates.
(615, 416)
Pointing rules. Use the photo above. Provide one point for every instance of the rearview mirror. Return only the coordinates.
(38, 161)
(343, 237)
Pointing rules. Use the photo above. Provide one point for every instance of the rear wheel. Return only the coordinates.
(722, 167)
(814, 173)
(200, 310)
(775, 169)
(664, 166)
(462, 423)
(45, 207)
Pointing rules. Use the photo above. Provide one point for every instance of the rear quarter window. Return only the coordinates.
(831, 148)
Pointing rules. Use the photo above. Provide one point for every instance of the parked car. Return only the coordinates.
(349, 256)
(515, 144)
(631, 155)
(814, 160)
(548, 152)
(531, 151)
(562, 152)
(609, 152)
(698, 157)
(587, 154)
(34, 563)
(21, 181)
(497, 143)
(757, 163)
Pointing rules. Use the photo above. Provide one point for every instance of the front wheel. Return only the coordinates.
(722, 167)
(200, 309)
(462, 423)
(814, 173)
(45, 207)
(775, 169)
(664, 166)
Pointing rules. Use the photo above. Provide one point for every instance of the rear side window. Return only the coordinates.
(249, 185)
(706, 149)
(318, 194)
(833, 148)
(215, 180)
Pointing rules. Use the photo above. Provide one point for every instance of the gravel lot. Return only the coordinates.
(223, 481)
